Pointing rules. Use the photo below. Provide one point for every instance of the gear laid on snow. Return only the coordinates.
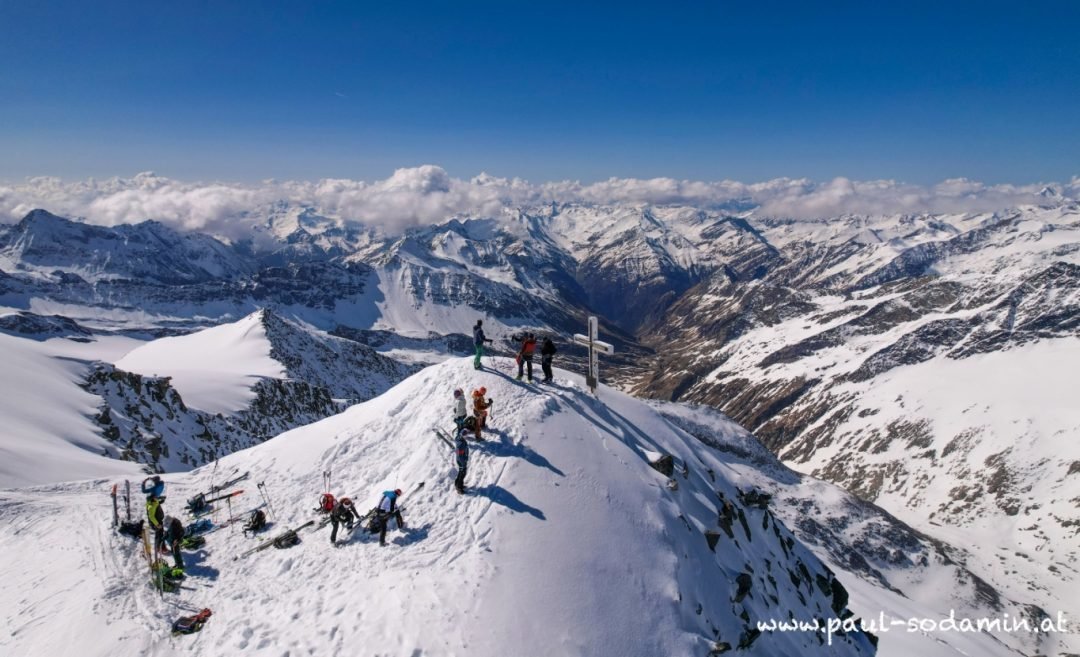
(256, 522)
(191, 624)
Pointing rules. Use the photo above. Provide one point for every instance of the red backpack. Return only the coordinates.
(326, 503)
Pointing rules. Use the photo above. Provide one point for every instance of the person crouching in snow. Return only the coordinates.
(388, 509)
(173, 535)
(459, 408)
(343, 513)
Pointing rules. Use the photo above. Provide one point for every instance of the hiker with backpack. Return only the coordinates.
(173, 534)
(547, 353)
(459, 408)
(153, 487)
(525, 354)
(343, 513)
(478, 341)
(480, 410)
(387, 509)
(461, 452)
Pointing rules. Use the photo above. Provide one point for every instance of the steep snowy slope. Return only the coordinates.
(890, 567)
(215, 369)
(172, 403)
(567, 543)
(46, 431)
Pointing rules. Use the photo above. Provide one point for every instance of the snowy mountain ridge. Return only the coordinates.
(568, 542)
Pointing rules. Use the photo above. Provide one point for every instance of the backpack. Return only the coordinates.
(470, 423)
(326, 503)
(197, 503)
(255, 522)
(191, 624)
(131, 528)
(192, 542)
(287, 540)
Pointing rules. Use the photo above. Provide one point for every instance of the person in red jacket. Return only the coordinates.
(525, 355)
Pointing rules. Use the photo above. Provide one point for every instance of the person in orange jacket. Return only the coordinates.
(480, 410)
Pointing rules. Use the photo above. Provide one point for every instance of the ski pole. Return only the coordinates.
(266, 498)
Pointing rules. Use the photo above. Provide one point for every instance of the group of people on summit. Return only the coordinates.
(475, 424)
(169, 532)
(526, 343)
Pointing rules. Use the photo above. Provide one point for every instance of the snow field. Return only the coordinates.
(568, 543)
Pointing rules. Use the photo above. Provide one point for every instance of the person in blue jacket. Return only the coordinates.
(461, 451)
(153, 487)
(388, 509)
(478, 340)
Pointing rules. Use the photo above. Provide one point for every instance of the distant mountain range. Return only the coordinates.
(922, 362)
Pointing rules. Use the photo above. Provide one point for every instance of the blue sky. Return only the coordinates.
(243, 90)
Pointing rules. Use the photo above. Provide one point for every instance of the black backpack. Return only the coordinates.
(470, 423)
(287, 540)
(256, 521)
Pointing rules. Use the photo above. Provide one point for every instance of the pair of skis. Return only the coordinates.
(268, 543)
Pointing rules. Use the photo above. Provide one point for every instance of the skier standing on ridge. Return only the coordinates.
(547, 353)
(173, 534)
(525, 354)
(459, 408)
(343, 513)
(461, 450)
(480, 412)
(478, 340)
(388, 509)
(156, 517)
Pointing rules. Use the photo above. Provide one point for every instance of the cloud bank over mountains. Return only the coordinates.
(428, 194)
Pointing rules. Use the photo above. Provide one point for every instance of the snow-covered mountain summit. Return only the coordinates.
(568, 542)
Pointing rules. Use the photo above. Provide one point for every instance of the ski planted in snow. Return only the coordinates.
(115, 508)
(280, 537)
(127, 498)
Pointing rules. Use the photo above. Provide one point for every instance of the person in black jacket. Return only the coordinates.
(173, 535)
(478, 341)
(343, 513)
(547, 352)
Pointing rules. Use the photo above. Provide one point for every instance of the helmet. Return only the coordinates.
(397, 491)
(346, 501)
(458, 392)
(482, 391)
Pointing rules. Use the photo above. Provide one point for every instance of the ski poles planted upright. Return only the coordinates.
(266, 498)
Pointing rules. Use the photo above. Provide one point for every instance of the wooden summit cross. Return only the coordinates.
(592, 377)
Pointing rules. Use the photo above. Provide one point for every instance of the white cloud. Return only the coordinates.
(427, 194)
